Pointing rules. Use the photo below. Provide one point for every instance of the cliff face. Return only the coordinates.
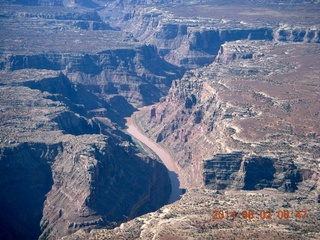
(253, 173)
(193, 41)
(59, 174)
(297, 34)
(132, 73)
(246, 129)
(190, 43)
(248, 134)
(116, 181)
(63, 98)
(108, 62)
(26, 178)
(186, 219)
(243, 127)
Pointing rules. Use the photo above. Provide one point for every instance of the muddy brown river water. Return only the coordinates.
(165, 157)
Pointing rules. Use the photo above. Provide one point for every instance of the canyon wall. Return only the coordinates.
(215, 107)
(59, 173)
(131, 73)
(26, 178)
(194, 43)
(139, 75)
(62, 120)
(242, 123)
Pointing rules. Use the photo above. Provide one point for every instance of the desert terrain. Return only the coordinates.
(228, 89)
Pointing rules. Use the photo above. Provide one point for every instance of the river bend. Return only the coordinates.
(165, 157)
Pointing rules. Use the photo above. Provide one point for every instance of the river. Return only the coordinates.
(165, 157)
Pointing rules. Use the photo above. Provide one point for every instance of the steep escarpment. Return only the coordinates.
(246, 129)
(203, 45)
(26, 178)
(197, 219)
(80, 102)
(191, 37)
(183, 42)
(297, 34)
(110, 63)
(131, 73)
(241, 121)
(252, 173)
(242, 127)
(54, 96)
(59, 172)
(116, 181)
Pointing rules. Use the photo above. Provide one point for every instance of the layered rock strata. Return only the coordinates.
(59, 173)
(191, 36)
(130, 73)
(110, 63)
(191, 218)
(255, 125)
(254, 113)
(243, 130)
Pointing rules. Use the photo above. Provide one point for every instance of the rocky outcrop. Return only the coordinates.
(199, 219)
(297, 34)
(183, 43)
(46, 183)
(79, 100)
(243, 129)
(61, 14)
(117, 181)
(131, 73)
(253, 173)
(26, 178)
(110, 63)
(221, 171)
(235, 112)
(194, 42)
(59, 173)
(74, 103)
(230, 54)
(208, 107)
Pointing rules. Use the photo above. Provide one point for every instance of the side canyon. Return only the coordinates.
(232, 96)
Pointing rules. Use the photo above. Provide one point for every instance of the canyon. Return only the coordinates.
(165, 158)
(227, 90)
(64, 166)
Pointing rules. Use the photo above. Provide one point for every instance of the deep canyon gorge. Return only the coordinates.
(165, 157)
(138, 119)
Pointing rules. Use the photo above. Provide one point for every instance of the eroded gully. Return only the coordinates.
(165, 157)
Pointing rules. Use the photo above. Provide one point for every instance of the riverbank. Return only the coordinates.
(163, 155)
